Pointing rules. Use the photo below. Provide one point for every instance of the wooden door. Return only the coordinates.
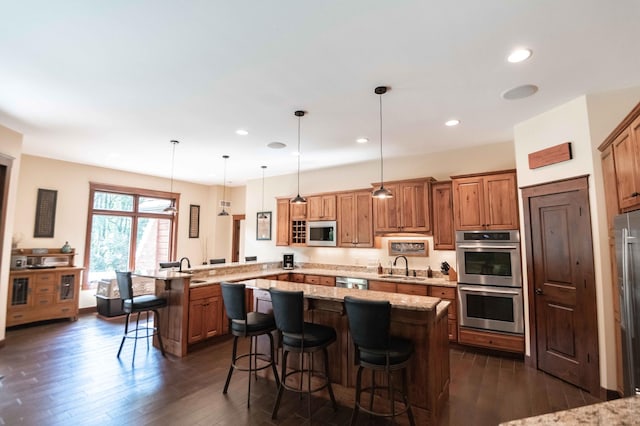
(211, 320)
(500, 204)
(346, 220)
(443, 234)
(468, 204)
(282, 222)
(321, 207)
(560, 272)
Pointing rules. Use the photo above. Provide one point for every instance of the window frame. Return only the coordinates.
(136, 193)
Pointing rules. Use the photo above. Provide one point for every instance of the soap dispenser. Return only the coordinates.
(429, 272)
(379, 268)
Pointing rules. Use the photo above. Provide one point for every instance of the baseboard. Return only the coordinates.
(608, 394)
(88, 310)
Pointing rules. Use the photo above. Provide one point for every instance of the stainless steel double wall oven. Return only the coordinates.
(490, 280)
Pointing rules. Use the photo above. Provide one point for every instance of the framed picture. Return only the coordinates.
(409, 248)
(263, 227)
(194, 221)
(45, 213)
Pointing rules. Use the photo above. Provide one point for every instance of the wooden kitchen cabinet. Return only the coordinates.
(485, 201)
(205, 313)
(492, 340)
(321, 207)
(354, 219)
(385, 286)
(45, 294)
(298, 211)
(448, 294)
(626, 154)
(443, 232)
(409, 210)
(282, 222)
(320, 280)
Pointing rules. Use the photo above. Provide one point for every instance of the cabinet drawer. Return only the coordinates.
(283, 277)
(328, 281)
(45, 278)
(45, 288)
(312, 279)
(486, 339)
(44, 299)
(297, 278)
(382, 286)
(443, 292)
(414, 289)
(204, 292)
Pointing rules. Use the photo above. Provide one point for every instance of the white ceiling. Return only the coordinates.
(109, 83)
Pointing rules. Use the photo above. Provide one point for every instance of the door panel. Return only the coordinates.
(563, 286)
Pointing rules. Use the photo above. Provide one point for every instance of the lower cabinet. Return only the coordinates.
(448, 294)
(492, 340)
(320, 280)
(383, 286)
(205, 313)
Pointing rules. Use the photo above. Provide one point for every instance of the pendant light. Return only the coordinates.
(172, 208)
(224, 187)
(381, 192)
(299, 199)
(262, 214)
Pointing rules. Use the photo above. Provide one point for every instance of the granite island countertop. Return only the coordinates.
(625, 411)
(337, 294)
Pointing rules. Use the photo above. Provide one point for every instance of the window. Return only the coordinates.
(128, 229)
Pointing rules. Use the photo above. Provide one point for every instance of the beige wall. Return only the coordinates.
(441, 166)
(584, 122)
(71, 180)
(10, 147)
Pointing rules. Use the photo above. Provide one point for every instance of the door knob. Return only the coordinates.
(539, 291)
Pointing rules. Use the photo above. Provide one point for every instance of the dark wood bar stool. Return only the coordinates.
(377, 350)
(247, 324)
(303, 338)
(136, 305)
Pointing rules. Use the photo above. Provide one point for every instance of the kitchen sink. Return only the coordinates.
(400, 277)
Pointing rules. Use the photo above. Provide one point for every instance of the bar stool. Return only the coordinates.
(303, 338)
(247, 324)
(369, 323)
(137, 305)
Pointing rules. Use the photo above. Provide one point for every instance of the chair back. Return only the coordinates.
(288, 310)
(125, 285)
(165, 265)
(250, 258)
(234, 300)
(216, 261)
(369, 322)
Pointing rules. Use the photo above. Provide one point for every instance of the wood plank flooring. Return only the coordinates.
(67, 373)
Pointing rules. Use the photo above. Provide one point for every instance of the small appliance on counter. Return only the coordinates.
(18, 262)
(287, 261)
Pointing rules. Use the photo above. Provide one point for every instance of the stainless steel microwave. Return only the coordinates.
(322, 233)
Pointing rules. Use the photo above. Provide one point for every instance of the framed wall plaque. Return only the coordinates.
(45, 213)
(194, 221)
(408, 248)
(263, 227)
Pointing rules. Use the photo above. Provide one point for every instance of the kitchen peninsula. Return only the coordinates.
(195, 312)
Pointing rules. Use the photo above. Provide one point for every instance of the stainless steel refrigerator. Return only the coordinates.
(627, 235)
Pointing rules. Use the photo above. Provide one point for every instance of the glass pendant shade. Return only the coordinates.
(381, 192)
(298, 199)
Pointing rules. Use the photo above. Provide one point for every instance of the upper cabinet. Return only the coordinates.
(354, 219)
(443, 233)
(485, 201)
(282, 222)
(321, 207)
(408, 211)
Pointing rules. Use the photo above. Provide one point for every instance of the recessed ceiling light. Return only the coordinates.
(452, 123)
(519, 92)
(242, 132)
(276, 145)
(362, 140)
(519, 55)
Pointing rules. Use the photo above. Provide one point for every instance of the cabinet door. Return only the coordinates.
(414, 211)
(626, 152)
(282, 223)
(443, 234)
(66, 287)
(346, 220)
(20, 291)
(500, 203)
(386, 211)
(211, 320)
(468, 203)
(298, 211)
(196, 317)
(363, 219)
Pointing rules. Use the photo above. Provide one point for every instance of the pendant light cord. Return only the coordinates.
(299, 155)
(381, 157)
(263, 167)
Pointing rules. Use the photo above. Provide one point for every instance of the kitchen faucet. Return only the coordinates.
(406, 264)
(188, 263)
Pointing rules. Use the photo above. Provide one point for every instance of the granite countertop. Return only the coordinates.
(161, 274)
(625, 411)
(397, 300)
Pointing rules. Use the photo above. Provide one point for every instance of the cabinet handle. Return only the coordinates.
(635, 194)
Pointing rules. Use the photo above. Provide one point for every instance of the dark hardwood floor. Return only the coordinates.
(67, 373)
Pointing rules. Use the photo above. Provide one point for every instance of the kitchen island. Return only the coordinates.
(421, 319)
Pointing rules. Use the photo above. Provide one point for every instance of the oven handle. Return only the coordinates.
(480, 290)
(476, 246)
